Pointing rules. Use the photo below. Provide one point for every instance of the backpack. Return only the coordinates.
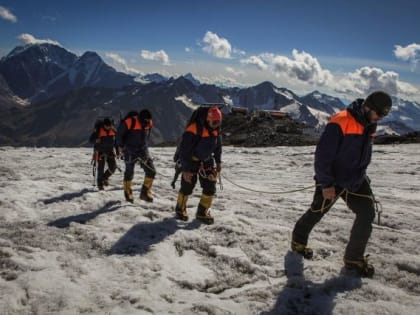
(100, 122)
(199, 116)
(132, 114)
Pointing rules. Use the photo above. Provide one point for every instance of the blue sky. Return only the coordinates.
(343, 48)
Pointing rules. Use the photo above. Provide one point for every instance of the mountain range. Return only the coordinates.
(51, 97)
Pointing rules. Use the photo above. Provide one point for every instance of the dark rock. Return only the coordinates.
(257, 131)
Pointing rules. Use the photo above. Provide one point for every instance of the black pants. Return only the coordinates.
(145, 163)
(208, 186)
(363, 207)
(109, 159)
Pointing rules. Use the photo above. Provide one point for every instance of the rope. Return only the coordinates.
(330, 204)
(264, 191)
(377, 204)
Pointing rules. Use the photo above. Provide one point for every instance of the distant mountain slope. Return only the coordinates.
(62, 90)
(28, 69)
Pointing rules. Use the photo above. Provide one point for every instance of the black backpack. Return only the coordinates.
(100, 122)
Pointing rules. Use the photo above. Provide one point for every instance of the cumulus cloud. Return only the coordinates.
(302, 66)
(121, 63)
(409, 53)
(29, 39)
(217, 46)
(255, 60)
(368, 79)
(239, 52)
(7, 15)
(160, 56)
(236, 73)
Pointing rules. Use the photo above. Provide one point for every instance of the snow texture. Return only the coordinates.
(66, 248)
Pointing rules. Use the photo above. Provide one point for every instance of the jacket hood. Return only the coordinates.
(356, 110)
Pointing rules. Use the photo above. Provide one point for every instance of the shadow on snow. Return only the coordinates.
(85, 217)
(72, 195)
(142, 236)
(300, 296)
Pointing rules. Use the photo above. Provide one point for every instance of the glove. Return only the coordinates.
(328, 193)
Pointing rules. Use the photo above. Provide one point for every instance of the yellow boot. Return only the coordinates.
(181, 207)
(128, 193)
(203, 212)
(146, 193)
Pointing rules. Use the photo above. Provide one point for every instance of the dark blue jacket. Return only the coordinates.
(344, 150)
(204, 148)
(133, 136)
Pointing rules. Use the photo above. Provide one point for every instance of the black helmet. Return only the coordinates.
(380, 102)
(145, 114)
(107, 121)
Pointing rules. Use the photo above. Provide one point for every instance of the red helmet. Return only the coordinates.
(214, 114)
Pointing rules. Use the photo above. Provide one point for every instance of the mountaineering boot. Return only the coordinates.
(361, 266)
(302, 249)
(203, 212)
(146, 193)
(105, 180)
(181, 207)
(100, 184)
(128, 193)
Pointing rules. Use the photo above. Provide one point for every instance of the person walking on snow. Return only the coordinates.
(200, 153)
(132, 141)
(341, 159)
(103, 138)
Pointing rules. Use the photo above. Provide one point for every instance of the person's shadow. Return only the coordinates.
(300, 296)
(85, 217)
(72, 195)
(142, 236)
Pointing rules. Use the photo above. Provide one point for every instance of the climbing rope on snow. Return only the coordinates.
(265, 191)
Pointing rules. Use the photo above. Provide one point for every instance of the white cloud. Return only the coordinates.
(302, 67)
(160, 56)
(26, 38)
(187, 49)
(7, 15)
(368, 79)
(239, 52)
(409, 53)
(255, 60)
(236, 73)
(121, 63)
(217, 46)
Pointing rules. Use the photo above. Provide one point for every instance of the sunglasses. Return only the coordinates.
(380, 114)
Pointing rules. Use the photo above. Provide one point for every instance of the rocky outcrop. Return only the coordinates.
(412, 137)
(259, 130)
